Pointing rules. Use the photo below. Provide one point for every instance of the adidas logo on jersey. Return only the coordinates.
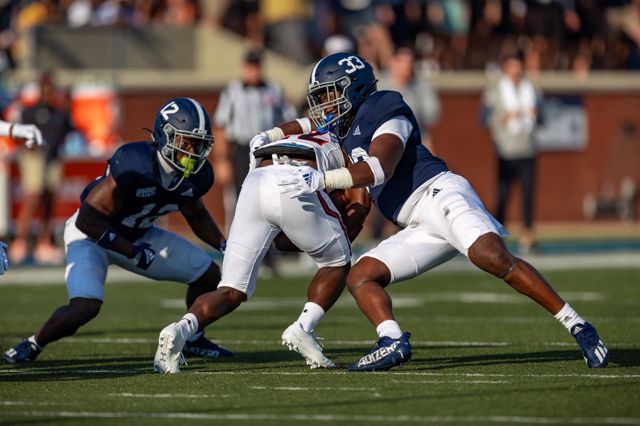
(356, 132)
(307, 179)
(435, 191)
(146, 192)
(188, 193)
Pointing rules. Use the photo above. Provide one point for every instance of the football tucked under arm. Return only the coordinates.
(352, 204)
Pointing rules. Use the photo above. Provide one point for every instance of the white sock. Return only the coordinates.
(389, 328)
(568, 317)
(311, 315)
(188, 325)
(32, 339)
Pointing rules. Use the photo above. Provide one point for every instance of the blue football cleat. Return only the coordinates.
(205, 348)
(386, 353)
(594, 352)
(25, 351)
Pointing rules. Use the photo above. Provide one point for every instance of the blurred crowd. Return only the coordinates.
(451, 34)
(575, 35)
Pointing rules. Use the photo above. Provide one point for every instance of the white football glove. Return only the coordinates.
(302, 181)
(30, 133)
(4, 262)
(258, 141)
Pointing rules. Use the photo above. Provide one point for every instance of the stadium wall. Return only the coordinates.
(566, 176)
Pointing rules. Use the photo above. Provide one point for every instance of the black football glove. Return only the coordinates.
(146, 255)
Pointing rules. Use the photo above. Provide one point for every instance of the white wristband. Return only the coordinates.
(376, 169)
(338, 179)
(305, 124)
(274, 134)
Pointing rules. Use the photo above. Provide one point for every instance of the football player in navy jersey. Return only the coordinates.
(439, 212)
(115, 225)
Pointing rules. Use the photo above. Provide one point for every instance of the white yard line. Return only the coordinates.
(426, 343)
(25, 276)
(164, 395)
(332, 418)
(11, 372)
(300, 388)
(421, 373)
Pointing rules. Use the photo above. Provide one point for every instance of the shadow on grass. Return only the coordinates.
(618, 357)
(76, 369)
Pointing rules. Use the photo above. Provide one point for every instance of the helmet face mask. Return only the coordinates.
(338, 85)
(328, 105)
(182, 132)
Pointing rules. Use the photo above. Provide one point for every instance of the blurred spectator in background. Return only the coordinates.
(246, 108)
(367, 22)
(31, 136)
(512, 106)
(337, 43)
(418, 93)
(421, 96)
(7, 33)
(41, 174)
(445, 34)
(286, 27)
(624, 15)
(179, 13)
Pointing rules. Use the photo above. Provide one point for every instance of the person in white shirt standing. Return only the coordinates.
(512, 121)
(31, 136)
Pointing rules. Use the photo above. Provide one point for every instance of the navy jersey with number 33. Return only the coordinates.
(135, 168)
(417, 164)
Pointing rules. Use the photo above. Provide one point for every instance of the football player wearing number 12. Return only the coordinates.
(440, 213)
(115, 225)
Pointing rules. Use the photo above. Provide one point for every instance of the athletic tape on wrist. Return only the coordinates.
(274, 134)
(338, 179)
(376, 169)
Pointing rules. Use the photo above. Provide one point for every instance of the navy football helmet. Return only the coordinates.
(338, 85)
(183, 127)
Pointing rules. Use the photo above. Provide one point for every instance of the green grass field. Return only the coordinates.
(483, 354)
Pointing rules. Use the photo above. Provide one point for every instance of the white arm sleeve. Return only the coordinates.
(399, 126)
(305, 124)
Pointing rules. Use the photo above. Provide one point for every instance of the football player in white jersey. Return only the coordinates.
(311, 224)
(31, 136)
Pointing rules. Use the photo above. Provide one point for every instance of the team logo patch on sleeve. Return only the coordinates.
(146, 192)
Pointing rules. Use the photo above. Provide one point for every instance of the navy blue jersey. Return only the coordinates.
(417, 164)
(135, 168)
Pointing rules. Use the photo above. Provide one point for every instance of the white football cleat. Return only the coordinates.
(169, 354)
(306, 344)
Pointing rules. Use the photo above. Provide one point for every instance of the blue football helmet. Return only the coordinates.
(183, 127)
(338, 85)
